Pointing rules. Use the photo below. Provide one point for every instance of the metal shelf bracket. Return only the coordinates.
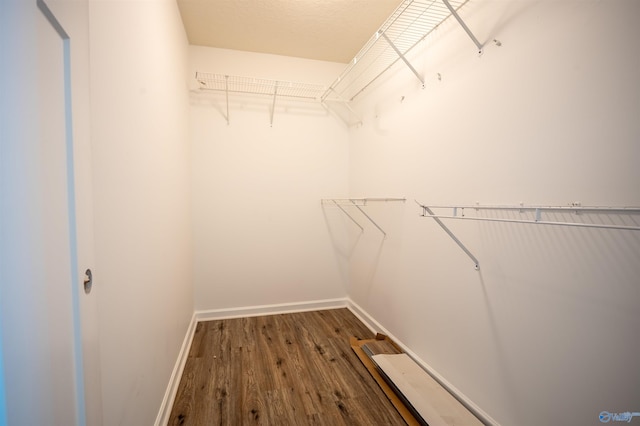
(371, 220)
(273, 104)
(348, 215)
(427, 212)
(324, 98)
(401, 56)
(226, 92)
(463, 25)
(358, 203)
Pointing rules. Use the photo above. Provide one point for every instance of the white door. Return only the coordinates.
(40, 284)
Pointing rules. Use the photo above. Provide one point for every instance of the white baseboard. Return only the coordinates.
(366, 319)
(281, 308)
(376, 327)
(174, 381)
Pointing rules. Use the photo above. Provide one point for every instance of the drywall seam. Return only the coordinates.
(376, 327)
(172, 388)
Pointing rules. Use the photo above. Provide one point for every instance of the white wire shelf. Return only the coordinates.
(409, 24)
(530, 215)
(259, 86)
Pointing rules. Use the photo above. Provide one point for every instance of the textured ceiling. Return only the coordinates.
(327, 30)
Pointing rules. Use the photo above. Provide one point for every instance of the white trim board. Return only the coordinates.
(281, 308)
(174, 381)
(376, 327)
(432, 402)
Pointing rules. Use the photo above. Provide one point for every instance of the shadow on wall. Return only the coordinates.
(507, 378)
(345, 234)
(365, 269)
(359, 236)
(581, 259)
(561, 301)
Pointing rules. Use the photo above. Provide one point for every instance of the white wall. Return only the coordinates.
(260, 235)
(546, 332)
(141, 191)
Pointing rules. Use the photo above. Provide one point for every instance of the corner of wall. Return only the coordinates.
(174, 381)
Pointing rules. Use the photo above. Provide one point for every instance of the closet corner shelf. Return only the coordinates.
(536, 211)
(411, 22)
(358, 203)
(259, 86)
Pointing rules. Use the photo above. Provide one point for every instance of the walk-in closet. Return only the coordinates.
(459, 185)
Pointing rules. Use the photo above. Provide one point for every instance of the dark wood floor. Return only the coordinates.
(291, 369)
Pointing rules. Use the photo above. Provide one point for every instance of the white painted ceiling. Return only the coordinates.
(327, 30)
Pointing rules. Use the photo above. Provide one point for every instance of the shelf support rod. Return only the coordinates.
(348, 215)
(353, 113)
(427, 212)
(346, 103)
(273, 104)
(331, 111)
(369, 217)
(226, 91)
(463, 25)
(401, 56)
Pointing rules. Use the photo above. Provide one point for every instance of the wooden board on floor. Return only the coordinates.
(356, 346)
(432, 403)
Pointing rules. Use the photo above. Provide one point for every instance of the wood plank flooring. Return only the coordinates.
(290, 369)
